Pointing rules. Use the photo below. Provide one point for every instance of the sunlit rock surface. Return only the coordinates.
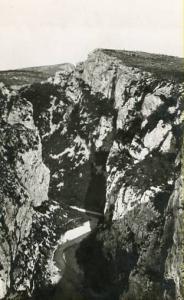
(104, 136)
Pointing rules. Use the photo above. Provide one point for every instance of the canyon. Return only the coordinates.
(91, 179)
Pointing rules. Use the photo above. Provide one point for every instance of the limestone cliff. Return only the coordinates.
(104, 136)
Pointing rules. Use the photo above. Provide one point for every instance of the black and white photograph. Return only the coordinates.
(91, 149)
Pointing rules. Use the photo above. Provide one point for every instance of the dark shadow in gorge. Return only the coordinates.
(96, 194)
(106, 272)
(71, 286)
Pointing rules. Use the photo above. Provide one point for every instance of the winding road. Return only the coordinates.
(75, 236)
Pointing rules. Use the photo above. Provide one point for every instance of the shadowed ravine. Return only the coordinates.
(65, 259)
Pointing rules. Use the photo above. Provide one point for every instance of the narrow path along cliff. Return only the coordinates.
(68, 283)
(75, 236)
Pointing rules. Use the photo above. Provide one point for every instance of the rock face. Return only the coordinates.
(24, 185)
(103, 136)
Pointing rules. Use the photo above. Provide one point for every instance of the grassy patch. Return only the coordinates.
(162, 66)
(29, 75)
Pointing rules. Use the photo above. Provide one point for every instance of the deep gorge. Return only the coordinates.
(103, 136)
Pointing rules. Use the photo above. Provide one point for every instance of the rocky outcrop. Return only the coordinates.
(103, 136)
(143, 197)
(31, 223)
(24, 185)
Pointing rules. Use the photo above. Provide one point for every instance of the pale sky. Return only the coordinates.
(41, 32)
